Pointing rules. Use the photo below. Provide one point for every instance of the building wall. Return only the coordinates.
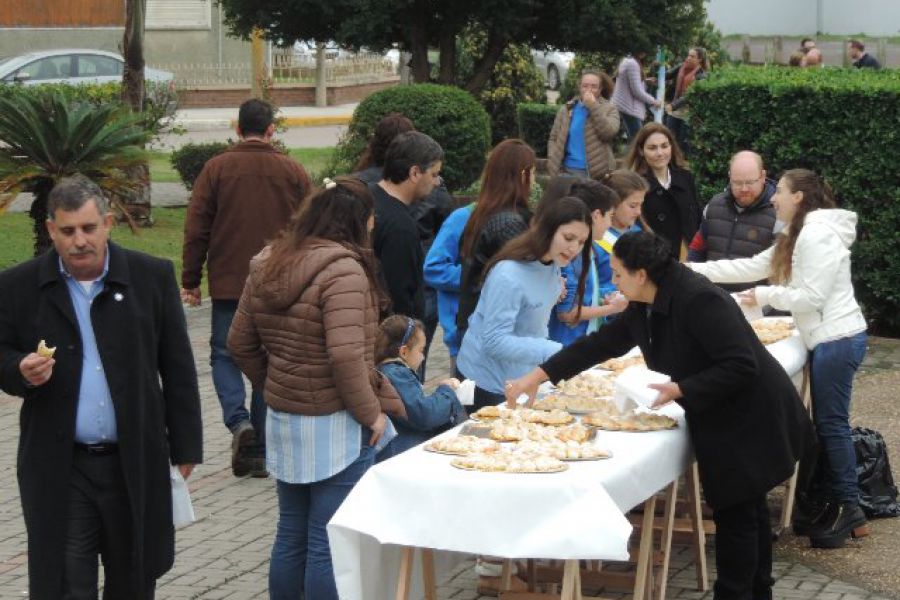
(805, 17)
(161, 46)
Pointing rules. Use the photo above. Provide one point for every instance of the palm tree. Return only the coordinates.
(45, 138)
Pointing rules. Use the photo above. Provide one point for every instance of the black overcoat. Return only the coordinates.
(142, 337)
(673, 213)
(744, 415)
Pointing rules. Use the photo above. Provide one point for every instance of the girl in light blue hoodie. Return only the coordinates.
(507, 334)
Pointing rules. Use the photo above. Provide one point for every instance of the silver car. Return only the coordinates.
(553, 65)
(71, 66)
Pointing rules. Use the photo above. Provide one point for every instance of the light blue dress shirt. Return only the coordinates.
(95, 421)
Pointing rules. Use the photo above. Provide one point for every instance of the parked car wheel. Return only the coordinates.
(553, 77)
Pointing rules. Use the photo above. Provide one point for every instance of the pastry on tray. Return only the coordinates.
(462, 445)
(630, 421)
(771, 331)
(586, 384)
(617, 365)
(509, 463)
(561, 450)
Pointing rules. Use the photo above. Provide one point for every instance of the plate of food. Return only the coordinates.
(773, 329)
(630, 422)
(509, 464)
(461, 445)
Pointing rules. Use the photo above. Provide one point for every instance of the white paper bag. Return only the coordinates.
(182, 509)
(631, 385)
(466, 392)
(751, 313)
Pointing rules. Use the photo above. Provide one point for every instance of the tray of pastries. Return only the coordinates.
(772, 329)
(576, 404)
(630, 422)
(617, 365)
(462, 445)
(490, 414)
(587, 384)
(516, 432)
(565, 451)
(509, 463)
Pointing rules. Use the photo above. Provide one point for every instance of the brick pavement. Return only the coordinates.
(225, 553)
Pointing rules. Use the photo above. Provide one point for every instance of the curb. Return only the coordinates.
(220, 124)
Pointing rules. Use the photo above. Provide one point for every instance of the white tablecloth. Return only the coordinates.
(418, 499)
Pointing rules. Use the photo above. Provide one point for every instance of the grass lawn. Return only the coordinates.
(162, 240)
(312, 159)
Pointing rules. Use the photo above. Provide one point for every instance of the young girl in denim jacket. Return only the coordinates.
(399, 350)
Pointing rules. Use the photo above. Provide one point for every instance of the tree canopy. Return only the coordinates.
(417, 25)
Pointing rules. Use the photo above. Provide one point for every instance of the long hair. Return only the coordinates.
(624, 183)
(635, 159)
(389, 127)
(339, 213)
(816, 194)
(535, 242)
(505, 184)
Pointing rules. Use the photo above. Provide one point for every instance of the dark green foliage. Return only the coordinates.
(159, 105)
(535, 123)
(514, 80)
(190, 158)
(448, 114)
(843, 124)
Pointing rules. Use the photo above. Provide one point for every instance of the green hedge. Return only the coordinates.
(190, 158)
(842, 123)
(448, 114)
(535, 122)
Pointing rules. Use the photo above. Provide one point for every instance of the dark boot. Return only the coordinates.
(807, 512)
(842, 520)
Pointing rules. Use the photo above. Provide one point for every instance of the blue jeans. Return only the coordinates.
(227, 378)
(831, 380)
(301, 555)
(632, 125)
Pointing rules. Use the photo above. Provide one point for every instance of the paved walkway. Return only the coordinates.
(225, 553)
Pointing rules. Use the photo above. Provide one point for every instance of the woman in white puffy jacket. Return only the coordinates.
(809, 271)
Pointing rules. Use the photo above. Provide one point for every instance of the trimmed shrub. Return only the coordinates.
(842, 124)
(535, 123)
(448, 114)
(190, 158)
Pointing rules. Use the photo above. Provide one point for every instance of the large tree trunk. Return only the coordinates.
(38, 214)
(133, 53)
(419, 46)
(447, 47)
(138, 203)
(484, 67)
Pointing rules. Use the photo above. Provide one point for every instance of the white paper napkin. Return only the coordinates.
(631, 387)
(751, 313)
(466, 392)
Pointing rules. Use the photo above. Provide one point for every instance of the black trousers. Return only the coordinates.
(744, 551)
(99, 523)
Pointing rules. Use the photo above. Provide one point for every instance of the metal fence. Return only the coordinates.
(286, 67)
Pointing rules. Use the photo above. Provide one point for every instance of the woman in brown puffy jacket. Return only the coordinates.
(305, 333)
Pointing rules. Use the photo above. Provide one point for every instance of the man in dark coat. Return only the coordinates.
(745, 419)
(104, 414)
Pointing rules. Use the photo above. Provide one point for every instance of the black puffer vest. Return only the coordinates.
(733, 234)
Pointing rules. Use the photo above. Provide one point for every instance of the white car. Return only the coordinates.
(553, 65)
(71, 66)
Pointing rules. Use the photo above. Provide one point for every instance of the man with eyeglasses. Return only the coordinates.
(740, 221)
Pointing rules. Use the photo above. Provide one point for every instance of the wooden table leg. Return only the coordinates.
(645, 550)
(428, 579)
(571, 581)
(698, 535)
(666, 538)
(403, 578)
(506, 575)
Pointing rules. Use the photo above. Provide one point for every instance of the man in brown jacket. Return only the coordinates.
(580, 141)
(241, 199)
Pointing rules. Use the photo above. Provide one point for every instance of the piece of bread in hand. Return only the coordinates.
(45, 351)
